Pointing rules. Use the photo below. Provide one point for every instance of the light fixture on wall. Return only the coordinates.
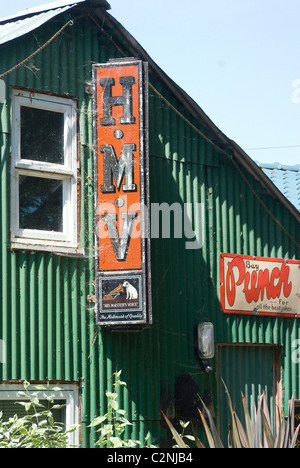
(205, 344)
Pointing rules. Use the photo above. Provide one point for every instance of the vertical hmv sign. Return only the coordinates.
(121, 186)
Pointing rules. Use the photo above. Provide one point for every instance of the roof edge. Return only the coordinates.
(53, 6)
(253, 168)
(279, 166)
(239, 156)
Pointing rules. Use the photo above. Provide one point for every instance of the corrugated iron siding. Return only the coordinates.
(45, 317)
(236, 222)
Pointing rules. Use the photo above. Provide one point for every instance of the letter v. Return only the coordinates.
(120, 245)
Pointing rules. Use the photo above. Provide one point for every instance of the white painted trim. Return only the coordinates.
(66, 172)
(58, 248)
(68, 392)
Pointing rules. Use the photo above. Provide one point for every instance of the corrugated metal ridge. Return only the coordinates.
(251, 166)
(279, 166)
(39, 9)
(52, 6)
(286, 179)
(11, 31)
(238, 154)
(28, 20)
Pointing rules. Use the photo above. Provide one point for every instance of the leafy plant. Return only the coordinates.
(256, 434)
(37, 429)
(113, 423)
(179, 438)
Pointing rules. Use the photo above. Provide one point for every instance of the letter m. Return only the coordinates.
(115, 169)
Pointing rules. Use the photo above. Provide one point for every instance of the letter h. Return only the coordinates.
(109, 101)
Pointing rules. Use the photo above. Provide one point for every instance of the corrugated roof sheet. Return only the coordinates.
(39, 9)
(286, 179)
(26, 21)
(15, 29)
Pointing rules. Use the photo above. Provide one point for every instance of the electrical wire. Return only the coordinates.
(69, 23)
(272, 147)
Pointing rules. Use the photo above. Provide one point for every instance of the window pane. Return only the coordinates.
(41, 203)
(10, 407)
(42, 135)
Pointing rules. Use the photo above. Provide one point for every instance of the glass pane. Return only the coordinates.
(41, 203)
(42, 135)
(10, 407)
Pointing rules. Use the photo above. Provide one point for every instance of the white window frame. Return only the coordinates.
(34, 239)
(69, 393)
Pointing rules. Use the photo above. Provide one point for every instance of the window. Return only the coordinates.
(44, 173)
(68, 395)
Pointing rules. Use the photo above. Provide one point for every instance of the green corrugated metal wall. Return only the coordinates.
(45, 318)
(247, 359)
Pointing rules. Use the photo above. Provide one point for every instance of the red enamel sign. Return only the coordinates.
(259, 286)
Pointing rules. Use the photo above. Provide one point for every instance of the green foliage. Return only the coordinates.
(179, 438)
(256, 434)
(37, 429)
(111, 426)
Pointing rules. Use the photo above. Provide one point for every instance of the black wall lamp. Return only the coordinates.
(205, 344)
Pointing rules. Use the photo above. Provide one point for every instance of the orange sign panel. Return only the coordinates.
(121, 185)
(119, 181)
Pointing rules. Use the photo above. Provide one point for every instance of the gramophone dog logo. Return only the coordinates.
(121, 293)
